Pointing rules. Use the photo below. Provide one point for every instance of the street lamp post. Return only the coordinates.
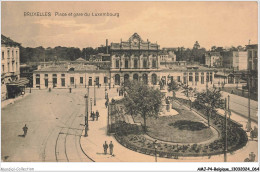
(85, 81)
(225, 144)
(90, 104)
(155, 150)
(249, 128)
(229, 112)
(88, 90)
(86, 116)
(95, 93)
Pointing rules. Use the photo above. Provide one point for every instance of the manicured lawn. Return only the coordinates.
(174, 128)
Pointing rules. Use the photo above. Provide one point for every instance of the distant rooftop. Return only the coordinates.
(252, 46)
(186, 68)
(67, 67)
(80, 60)
(7, 41)
(135, 42)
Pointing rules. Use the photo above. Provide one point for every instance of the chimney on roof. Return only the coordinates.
(107, 46)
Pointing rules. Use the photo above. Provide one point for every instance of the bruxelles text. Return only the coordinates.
(64, 14)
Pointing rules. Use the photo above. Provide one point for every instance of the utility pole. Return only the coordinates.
(86, 116)
(249, 116)
(207, 81)
(225, 144)
(88, 90)
(85, 81)
(229, 113)
(90, 105)
(95, 92)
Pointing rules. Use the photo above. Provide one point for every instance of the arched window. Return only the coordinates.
(202, 77)
(185, 78)
(154, 63)
(196, 76)
(126, 63)
(126, 78)
(190, 77)
(154, 79)
(117, 63)
(37, 78)
(135, 63)
(145, 78)
(207, 77)
(144, 63)
(117, 79)
(135, 77)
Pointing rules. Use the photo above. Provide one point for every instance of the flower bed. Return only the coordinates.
(132, 137)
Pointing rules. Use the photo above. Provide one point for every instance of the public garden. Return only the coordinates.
(139, 123)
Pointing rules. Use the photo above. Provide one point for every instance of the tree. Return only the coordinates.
(86, 52)
(142, 99)
(213, 48)
(196, 45)
(240, 48)
(210, 100)
(232, 48)
(219, 49)
(188, 92)
(173, 86)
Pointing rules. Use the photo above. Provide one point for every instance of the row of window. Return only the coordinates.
(8, 54)
(145, 64)
(9, 66)
(72, 80)
(190, 78)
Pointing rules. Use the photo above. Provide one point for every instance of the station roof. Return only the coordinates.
(68, 68)
(186, 68)
(80, 60)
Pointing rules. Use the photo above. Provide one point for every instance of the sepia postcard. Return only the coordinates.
(133, 81)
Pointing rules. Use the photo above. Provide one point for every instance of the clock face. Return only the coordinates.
(135, 41)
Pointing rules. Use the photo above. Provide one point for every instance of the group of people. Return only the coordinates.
(110, 146)
(94, 115)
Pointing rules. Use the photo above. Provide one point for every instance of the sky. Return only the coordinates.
(171, 24)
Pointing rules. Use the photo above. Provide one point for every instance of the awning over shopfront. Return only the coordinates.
(20, 83)
(221, 75)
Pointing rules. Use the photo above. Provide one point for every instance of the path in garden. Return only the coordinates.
(97, 135)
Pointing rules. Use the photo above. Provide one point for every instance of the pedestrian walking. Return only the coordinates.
(111, 147)
(25, 129)
(252, 157)
(117, 90)
(93, 116)
(105, 146)
(97, 114)
(106, 104)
